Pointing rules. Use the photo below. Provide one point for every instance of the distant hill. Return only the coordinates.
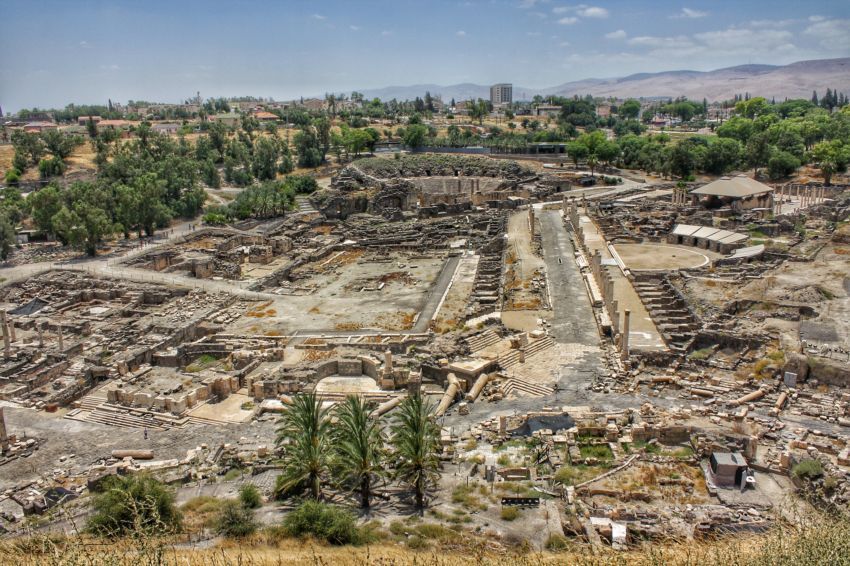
(796, 80)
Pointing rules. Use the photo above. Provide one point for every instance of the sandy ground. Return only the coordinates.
(663, 257)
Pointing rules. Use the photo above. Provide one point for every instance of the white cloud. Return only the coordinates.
(816, 18)
(532, 33)
(592, 12)
(354, 28)
(582, 10)
(729, 43)
(460, 33)
(386, 33)
(619, 34)
(689, 14)
(85, 44)
(831, 34)
(112, 67)
(568, 21)
(771, 23)
(525, 4)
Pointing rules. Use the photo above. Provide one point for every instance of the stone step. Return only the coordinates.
(514, 384)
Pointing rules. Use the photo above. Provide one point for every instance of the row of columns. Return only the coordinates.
(680, 196)
(8, 329)
(807, 195)
(603, 280)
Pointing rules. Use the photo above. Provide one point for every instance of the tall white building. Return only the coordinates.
(502, 93)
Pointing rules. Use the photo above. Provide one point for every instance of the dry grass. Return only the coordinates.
(317, 355)
(821, 542)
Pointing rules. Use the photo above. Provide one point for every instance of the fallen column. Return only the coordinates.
(387, 406)
(7, 345)
(448, 396)
(479, 384)
(754, 396)
(134, 454)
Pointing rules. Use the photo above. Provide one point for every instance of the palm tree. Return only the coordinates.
(305, 430)
(416, 438)
(358, 447)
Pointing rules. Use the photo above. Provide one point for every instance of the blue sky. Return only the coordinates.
(55, 52)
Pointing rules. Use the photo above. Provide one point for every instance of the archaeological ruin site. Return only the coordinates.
(615, 363)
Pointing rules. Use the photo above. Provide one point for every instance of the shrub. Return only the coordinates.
(325, 522)
(13, 177)
(250, 496)
(235, 520)
(557, 542)
(509, 513)
(808, 469)
(132, 505)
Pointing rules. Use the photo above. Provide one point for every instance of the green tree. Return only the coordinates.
(757, 151)
(358, 447)
(830, 157)
(7, 235)
(682, 159)
(308, 147)
(781, 164)
(414, 136)
(304, 436)
(577, 151)
(630, 109)
(59, 144)
(151, 212)
(753, 107)
(44, 204)
(416, 439)
(134, 504)
(722, 156)
(264, 159)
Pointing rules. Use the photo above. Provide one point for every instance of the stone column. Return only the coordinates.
(388, 362)
(624, 339)
(61, 343)
(531, 219)
(7, 345)
(40, 327)
(615, 318)
(4, 438)
(12, 330)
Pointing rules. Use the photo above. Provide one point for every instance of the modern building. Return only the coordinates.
(502, 93)
(550, 110)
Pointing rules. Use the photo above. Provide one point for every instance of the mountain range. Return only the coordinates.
(795, 80)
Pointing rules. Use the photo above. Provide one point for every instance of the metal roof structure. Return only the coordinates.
(708, 233)
(739, 186)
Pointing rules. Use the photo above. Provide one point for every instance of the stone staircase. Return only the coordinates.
(303, 203)
(511, 358)
(534, 348)
(93, 400)
(123, 418)
(481, 341)
(514, 386)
